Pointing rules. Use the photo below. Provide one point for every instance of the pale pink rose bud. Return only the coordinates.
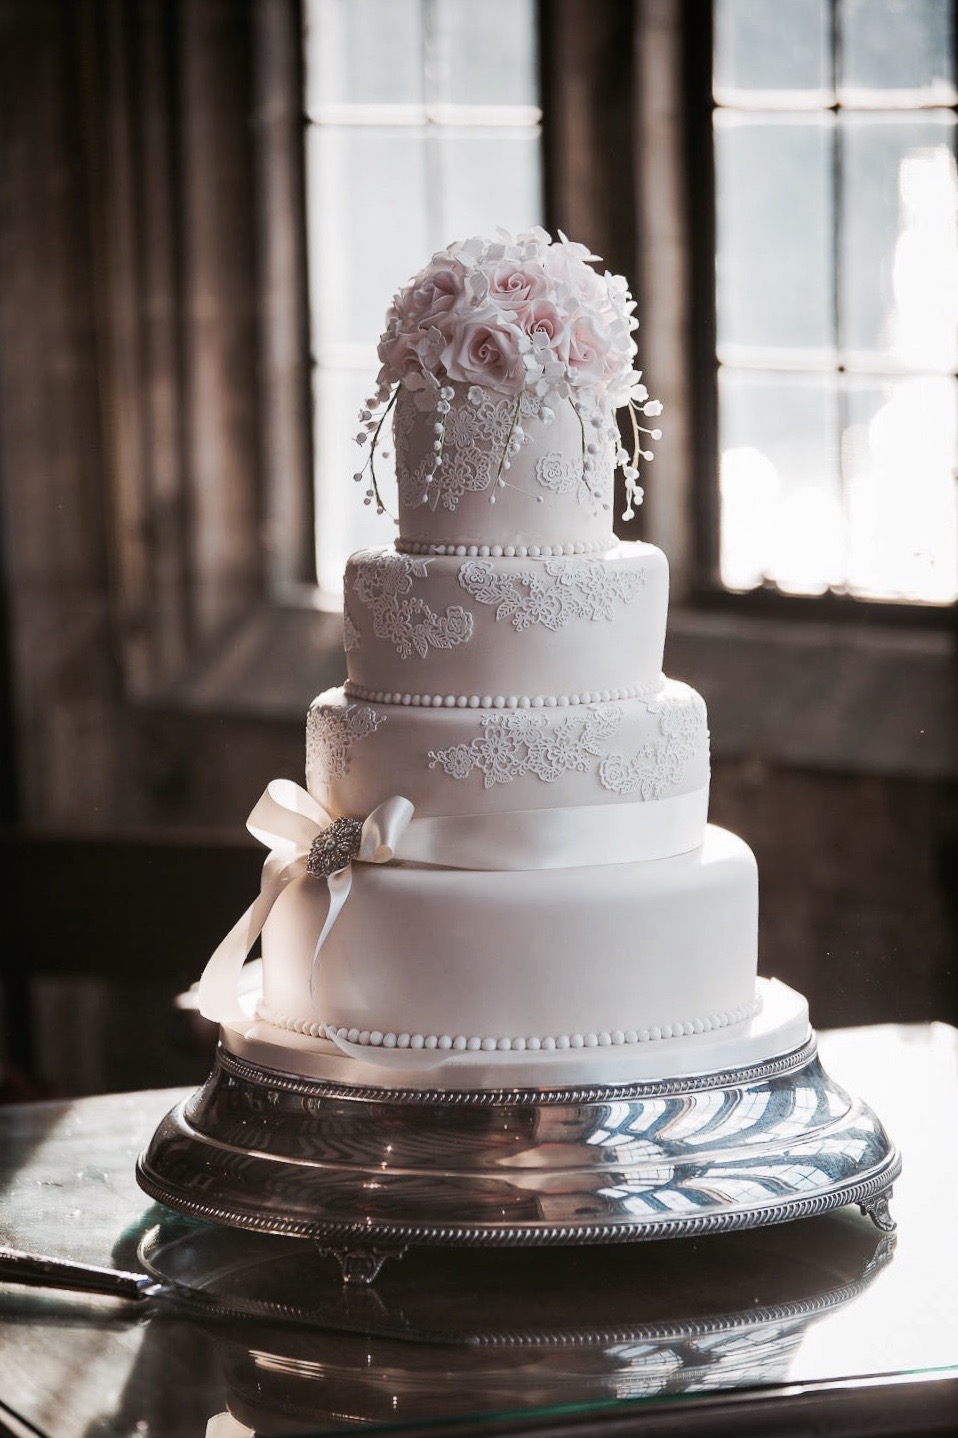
(587, 351)
(516, 284)
(545, 326)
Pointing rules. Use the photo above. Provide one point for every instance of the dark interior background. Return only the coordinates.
(158, 646)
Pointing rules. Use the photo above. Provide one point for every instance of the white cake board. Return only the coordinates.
(780, 1028)
(581, 1147)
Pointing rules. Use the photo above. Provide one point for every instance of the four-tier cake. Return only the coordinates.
(508, 990)
(501, 867)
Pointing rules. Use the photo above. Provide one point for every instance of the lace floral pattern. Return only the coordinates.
(475, 436)
(661, 762)
(351, 635)
(520, 743)
(384, 584)
(330, 735)
(552, 592)
(464, 471)
(560, 475)
(414, 484)
(493, 418)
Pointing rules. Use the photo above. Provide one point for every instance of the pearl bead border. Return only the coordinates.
(499, 701)
(551, 1043)
(468, 550)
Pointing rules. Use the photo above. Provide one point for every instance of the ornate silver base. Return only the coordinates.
(366, 1172)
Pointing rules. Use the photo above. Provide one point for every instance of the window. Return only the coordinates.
(836, 296)
(423, 127)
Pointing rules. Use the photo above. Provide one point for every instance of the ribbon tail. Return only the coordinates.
(340, 882)
(219, 987)
(389, 1058)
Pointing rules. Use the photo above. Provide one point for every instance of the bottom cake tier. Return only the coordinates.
(532, 960)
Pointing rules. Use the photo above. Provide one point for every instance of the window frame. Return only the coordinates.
(428, 122)
(707, 590)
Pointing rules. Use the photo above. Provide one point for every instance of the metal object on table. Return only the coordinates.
(367, 1172)
(38, 1270)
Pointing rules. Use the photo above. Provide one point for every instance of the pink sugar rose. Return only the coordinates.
(485, 350)
(410, 351)
(587, 352)
(545, 326)
(516, 283)
(436, 293)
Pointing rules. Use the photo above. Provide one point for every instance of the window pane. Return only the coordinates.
(772, 54)
(899, 453)
(780, 492)
(893, 52)
(774, 203)
(899, 258)
(360, 179)
(489, 178)
(363, 52)
(346, 523)
(886, 527)
(484, 54)
(425, 128)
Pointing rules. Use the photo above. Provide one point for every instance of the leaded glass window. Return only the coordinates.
(423, 126)
(837, 296)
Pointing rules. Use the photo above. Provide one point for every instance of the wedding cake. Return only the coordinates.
(501, 868)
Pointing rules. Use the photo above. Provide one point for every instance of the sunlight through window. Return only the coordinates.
(423, 126)
(837, 297)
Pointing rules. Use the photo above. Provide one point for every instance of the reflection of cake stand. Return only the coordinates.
(280, 1142)
(537, 1330)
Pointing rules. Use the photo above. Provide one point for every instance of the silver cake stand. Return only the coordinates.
(366, 1171)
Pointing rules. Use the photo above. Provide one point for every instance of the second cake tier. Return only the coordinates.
(495, 626)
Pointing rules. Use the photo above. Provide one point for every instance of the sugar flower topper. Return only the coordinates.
(529, 318)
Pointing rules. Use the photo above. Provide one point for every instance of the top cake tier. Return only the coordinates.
(555, 492)
(504, 362)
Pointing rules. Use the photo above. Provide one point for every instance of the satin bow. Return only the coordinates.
(287, 819)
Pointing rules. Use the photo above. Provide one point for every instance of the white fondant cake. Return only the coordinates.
(521, 862)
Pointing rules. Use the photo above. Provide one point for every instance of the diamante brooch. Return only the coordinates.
(334, 848)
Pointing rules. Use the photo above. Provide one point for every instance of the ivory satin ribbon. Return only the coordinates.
(287, 819)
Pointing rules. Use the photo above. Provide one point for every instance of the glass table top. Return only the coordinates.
(256, 1334)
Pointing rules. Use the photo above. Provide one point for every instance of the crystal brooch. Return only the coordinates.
(334, 848)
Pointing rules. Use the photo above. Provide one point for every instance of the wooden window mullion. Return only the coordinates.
(219, 308)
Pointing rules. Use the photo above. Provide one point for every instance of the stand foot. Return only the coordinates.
(879, 1212)
(360, 1265)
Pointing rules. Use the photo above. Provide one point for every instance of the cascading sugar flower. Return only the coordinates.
(526, 317)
